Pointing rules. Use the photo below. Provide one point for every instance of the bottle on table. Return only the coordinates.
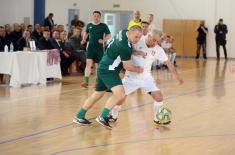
(5, 48)
(11, 47)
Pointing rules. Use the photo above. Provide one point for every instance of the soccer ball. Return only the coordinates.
(163, 116)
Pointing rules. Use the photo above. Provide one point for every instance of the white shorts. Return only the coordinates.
(147, 83)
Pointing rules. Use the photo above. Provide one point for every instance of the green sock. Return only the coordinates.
(81, 113)
(86, 79)
(105, 113)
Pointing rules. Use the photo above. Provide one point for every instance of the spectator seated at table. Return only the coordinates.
(58, 42)
(24, 41)
(77, 50)
(16, 34)
(30, 29)
(37, 33)
(8, 30)
(44, 43)
(4, 39)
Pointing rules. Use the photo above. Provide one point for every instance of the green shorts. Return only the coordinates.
(95, 52)
(107, 80)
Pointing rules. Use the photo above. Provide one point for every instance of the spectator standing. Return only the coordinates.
(221, 31)
(201, 40)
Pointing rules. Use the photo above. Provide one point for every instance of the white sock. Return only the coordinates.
(156, 107)
(173, 58)
(115, 111)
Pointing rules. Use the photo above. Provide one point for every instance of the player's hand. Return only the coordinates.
(83, 42)
(143, 54)
(139, 70)
(101, 41)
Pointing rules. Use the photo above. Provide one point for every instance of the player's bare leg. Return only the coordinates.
(89, 64)
(117, 97)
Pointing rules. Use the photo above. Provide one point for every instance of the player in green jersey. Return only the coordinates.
(116, 57)
(98, 34)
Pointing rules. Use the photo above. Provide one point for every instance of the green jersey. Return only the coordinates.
(119, 49)
(96, 32)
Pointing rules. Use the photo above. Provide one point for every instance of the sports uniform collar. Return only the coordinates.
(95, 23)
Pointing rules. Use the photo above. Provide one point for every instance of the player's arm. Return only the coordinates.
(85, 36)
(105, 39)
(106, 36)
(128, 65)
(173, 71)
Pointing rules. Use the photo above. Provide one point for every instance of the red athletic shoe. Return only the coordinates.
(84, 84)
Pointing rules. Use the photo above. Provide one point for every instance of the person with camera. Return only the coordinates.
(201, 40)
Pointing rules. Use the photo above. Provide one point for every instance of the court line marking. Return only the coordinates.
(70, 124)
(67, 91)
(140, 141)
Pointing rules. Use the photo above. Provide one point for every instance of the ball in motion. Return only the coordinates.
(164, 116)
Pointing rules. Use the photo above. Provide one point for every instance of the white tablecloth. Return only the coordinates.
(28, 67)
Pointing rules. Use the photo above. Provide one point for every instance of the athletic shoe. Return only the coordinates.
(159, 123)
(111, 119)
(81, 121)
(104, 122)
(84, 84)
(109, 90)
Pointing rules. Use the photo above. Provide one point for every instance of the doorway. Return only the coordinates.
(116, 20)
(71, 14)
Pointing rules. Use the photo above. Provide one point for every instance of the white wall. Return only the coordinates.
(209, 10)
(60, 9)
(12, 11)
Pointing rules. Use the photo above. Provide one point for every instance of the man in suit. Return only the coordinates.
(4, 39)
(16, 34)
(49, 21)
(37, 33)
(66, 59)
(77, 50)
(220, 37)
(44, 43)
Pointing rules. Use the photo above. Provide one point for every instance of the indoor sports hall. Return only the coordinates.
(64, 67)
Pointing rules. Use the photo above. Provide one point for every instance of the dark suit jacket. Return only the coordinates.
(48, 22)
(77, 23)
(220, 32)
(15, 36)
(4, 41)
(56, 45)
(21, 43)
(44, 44)
(74, 44)
(36, 36)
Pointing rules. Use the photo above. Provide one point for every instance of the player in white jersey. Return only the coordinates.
(146, 52)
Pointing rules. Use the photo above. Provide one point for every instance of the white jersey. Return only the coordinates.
(153, 54)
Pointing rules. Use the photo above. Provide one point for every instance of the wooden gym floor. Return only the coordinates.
(37, 120)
